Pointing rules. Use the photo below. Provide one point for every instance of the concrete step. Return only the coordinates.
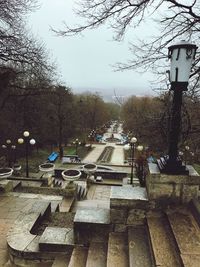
(16, 184)
(81, 192)
(57, 239)
(61, 261)
(162, 242)
(90, 223)
(139, 251)
(31, 183)
(66, 204)
(97, 255)
(55, 206)
(78, 257)
(194, 206)
(117, 254)
(187, 235)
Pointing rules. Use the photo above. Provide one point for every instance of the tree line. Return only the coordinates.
(31, 98)
(148, 119)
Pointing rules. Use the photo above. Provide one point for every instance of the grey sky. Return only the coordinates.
(85, 62)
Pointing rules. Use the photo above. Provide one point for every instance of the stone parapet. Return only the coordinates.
(172, 188)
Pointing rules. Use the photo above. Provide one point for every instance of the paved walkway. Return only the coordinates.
(118, 155)
(94, 154)
(11, 206)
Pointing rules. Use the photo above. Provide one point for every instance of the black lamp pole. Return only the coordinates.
(132, 160)
(26, 154)
(182, 56)
(174, 164)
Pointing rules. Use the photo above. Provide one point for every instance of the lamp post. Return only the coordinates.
(131, 146)
(27, 142)
(9, 147)
(182, 55)
(187, 148)
(76, 143)
(140, 165)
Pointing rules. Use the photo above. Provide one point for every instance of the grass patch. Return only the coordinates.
(38, 157)
(82, 151)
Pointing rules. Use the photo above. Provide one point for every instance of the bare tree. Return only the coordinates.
(24, 61)
(178, 19)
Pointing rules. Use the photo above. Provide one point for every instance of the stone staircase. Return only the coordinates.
(187, 236)
(163, 247)
(170, 239)
(119, 250)
(98, 238)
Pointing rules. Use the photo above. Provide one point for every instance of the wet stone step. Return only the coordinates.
(78, 257)
(117, 254)
(97, 216)
(90, 223)
(163, 245)
(97, 255)
(61, 261)
(57, 239)
(139, 251)
(185, 228)
(66, 204)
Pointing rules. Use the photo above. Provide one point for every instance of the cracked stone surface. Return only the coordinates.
(129, 193)
(100, 216)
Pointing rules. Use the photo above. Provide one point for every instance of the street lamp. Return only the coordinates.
(131, 146)
(27, 142)
(140, 165)
(182, 55)
(9, 147)
(76, 143)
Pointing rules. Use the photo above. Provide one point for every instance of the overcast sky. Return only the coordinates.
(85, 62)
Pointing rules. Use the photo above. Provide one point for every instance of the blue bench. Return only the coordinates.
(53, 157)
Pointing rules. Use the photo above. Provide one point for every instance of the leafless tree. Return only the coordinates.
(177, 19)
(24, 61)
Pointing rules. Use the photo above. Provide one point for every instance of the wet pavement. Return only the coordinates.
(13, 205)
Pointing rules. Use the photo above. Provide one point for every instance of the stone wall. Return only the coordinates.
(172, 188)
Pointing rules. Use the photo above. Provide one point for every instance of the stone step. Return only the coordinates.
(57, 239)
(61, 261)
(187, 235)
(194, 206)
(139, 251)
(66, 204)
(16, 184)
(78, 257)
(90, 223)
(55, 206)
(97, 255)
(81, 192)
(117, 254)
(162, 242)
(31, 183)
(6, 186)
